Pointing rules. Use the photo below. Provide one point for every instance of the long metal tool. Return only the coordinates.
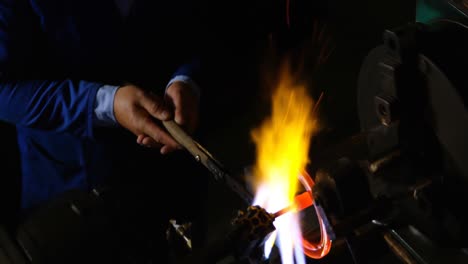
(202, 155)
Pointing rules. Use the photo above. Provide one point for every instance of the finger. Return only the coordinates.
(156, 133)
(149, 142)
(155, 106)
(167, 149)
(175, 100)
(169, 101)
(184, 105)
(140, 139)
(180, 106)
(146, 141)
(187, 115)
(179, 115)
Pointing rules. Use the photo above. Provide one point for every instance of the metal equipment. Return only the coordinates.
(410, 188)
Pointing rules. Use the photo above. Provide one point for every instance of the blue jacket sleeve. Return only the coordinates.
(59, 106)
(53, 105)
(191, 69)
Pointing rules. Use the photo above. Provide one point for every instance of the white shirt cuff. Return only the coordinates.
(186, 79)
(104, 106)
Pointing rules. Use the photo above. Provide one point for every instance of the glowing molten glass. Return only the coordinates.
(282, 143)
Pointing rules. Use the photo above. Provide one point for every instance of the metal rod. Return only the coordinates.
(402, 249)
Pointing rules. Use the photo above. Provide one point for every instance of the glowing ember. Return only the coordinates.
(283, 143)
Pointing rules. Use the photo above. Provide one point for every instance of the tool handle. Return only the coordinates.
(185, 140)
(180, 136)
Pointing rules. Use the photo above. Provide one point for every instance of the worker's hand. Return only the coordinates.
(185, 102)
(136, 110)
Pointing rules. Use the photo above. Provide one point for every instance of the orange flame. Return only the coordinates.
(282, 143)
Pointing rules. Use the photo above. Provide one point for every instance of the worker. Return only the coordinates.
(86, 85)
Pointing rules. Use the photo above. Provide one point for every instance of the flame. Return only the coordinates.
(282, 143)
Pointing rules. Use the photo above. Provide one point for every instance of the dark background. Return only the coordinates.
(256, 38)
